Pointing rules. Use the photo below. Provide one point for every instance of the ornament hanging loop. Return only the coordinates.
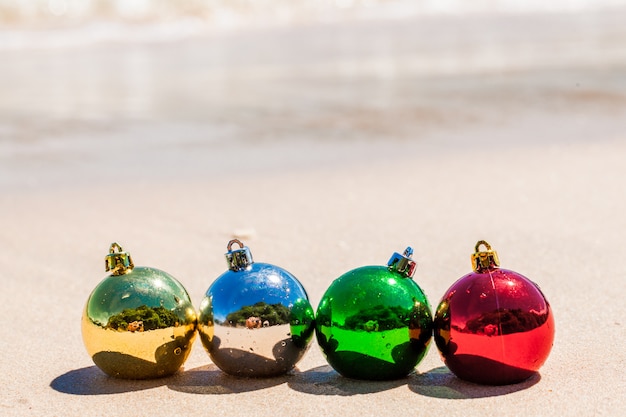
(486, 259)
(117, 261)
(403, 263)
(238, 259)
(234, 241)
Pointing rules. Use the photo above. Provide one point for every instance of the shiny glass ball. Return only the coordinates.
(140, 324)
(373, 323)
(256, 321)
(494, 326)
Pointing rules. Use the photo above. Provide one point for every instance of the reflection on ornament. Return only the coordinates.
(374, 322)
(493, 326)
(138, 322)
(256, 319)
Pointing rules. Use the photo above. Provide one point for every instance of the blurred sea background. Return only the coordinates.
(195, 88)
(66, 23)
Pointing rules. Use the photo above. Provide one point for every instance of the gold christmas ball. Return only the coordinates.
(139, 322)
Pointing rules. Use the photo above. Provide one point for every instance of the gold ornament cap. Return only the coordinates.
(403, 263)
(238, 259)
(117, 261)
(486, 259)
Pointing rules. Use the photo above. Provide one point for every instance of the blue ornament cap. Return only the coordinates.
(238, 259)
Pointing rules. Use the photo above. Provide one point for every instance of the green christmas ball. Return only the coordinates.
(374, 322)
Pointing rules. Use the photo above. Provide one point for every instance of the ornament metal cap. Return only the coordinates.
(403, 263)
(238, 259)
(484, 259)
(117, 261)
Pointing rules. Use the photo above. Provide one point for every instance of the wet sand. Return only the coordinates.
(323, 153)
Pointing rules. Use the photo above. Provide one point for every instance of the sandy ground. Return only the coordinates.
(318, 173)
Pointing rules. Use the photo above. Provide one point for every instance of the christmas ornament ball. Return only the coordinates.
(255, 319)
(493, 326)
(374, 322)
(139, 322)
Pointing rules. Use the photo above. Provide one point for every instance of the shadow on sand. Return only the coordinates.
(92, 381)
(441, 383)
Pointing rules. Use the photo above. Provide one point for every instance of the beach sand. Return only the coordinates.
(322, 154)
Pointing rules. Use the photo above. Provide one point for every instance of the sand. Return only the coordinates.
(318, 172)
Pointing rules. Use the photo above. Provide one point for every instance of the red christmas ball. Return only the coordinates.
(493, 326)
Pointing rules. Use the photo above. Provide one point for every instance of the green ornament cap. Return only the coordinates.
(238, 259)
(117, 261)
(403, 264)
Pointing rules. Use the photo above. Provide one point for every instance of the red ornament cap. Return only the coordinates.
(487, 259)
